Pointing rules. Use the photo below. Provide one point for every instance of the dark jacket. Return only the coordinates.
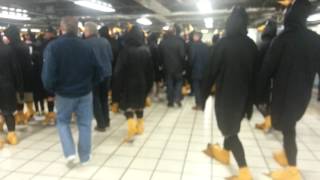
(115, 45)
(103, 52)
(172, 53)
(231, 68)
(10, 79)
(134, 71)
(70, 67)
(292, 62)
(156, 60)
(199, 56)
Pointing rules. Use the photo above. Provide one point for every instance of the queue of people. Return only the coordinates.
(76, 75)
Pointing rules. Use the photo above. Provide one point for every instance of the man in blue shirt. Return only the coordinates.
(71, 70)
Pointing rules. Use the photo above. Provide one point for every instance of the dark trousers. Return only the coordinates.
(233, 144)
(101, 104)
(174, 86)
(196, 86)
(130, 114)
(9, 119)
(290, 145)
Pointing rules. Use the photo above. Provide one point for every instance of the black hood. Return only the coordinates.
(237, 22)
(134, 37)
(270, 30)
(296, 16)
(104, 32)
(13, 34)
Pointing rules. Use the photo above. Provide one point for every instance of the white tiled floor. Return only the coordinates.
(170, 149)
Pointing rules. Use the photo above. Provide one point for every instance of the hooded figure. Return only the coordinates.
(291, 62)
(231, 68)
(268, 34)
(23, 57)
(134, 79)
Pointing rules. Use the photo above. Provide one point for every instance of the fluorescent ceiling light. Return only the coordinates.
(35, 30)
(204, 6)
(314, 17)
(165, 28)
(96, 5)
(144, 21)
(208, 22)
(24, 30)
(12, 15)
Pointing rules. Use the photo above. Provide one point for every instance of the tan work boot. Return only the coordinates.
(290, 173)
(281, 158)
(244, 174)
(140, 126)
(50, 118)
(1, 144)
(132, 130)
(19, 117)
(148, 102)
(115, 107)
(266, 125)
(12, 138)
(29, 114)
(1, 123)
(217, 153)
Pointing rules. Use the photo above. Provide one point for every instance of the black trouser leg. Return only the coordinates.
(50, 106)
(234, 145)
(196, 90)
(10, 121)
(139, 114)
(20, 107)
(36, 104)
(170, 90)
(290, 145)
(100, 104)
(41, 105)
(129, 114)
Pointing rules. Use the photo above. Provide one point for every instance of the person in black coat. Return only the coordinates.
(291, 62)
(232, 68)
(268, 34)
(134, 79)
(172, 54)
(11, 82)
(22, 55)
(199, 56)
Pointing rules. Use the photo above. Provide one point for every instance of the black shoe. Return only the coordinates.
(170, 105)
(179, 104)
(100, 129)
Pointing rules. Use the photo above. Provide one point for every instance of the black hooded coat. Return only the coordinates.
(134, 71)
(232, 67)
(292, 62)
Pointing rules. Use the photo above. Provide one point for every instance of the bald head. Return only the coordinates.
(69, 24)
(90, 29)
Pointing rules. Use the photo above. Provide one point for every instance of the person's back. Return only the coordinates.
(74, 64)
(199, 59)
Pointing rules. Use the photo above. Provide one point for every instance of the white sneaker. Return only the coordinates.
(70, 161)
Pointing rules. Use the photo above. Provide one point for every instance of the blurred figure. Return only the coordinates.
(23, 58)
(269, 33)
(11, 81)
(49, 36)
(71, 70)
(199, 56)
(103, 52)
(291, 62)
(232, 69)
(172, 54)
(134, 79)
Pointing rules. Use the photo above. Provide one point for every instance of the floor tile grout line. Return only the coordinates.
(118, 147)
(167, 142)
(189, 143)
(134, 157)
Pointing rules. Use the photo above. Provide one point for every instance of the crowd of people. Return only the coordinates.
(75, 76)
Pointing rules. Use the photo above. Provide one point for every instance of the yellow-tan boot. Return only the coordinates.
(281, 158)
(1, 144)
(289, 173)
(50, 118)
(132, 130)
(12, 138)
(244, 174)
(1, 123)
(29, 114)
(140, 126)
(115, 107)
(266, 125)
(19, 117)
(148, 102)
(218, 153)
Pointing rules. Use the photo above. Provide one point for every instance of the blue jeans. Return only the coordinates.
(83, 108)
(174, 86)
